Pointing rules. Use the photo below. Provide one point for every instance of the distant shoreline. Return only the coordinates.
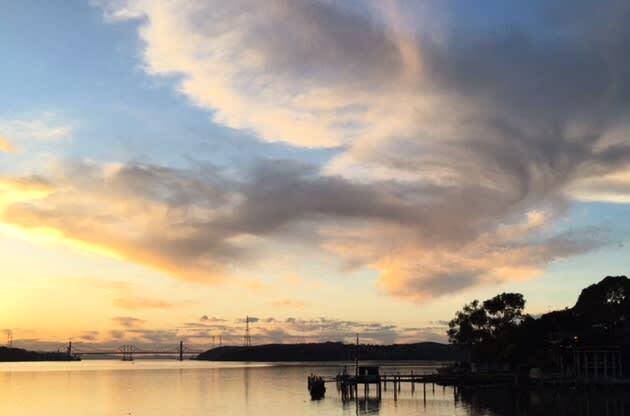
(334, 351)
(8, 354)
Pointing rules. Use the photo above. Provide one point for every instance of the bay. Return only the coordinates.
(194, 388)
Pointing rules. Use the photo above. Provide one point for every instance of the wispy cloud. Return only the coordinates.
(612, 187)
(44, 127)
(136, 303)
(128, 321)
(288, 303)
(201, 335)
(210, 319)
(6, 146)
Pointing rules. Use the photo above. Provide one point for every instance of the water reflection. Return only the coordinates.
(495, 401)
(368, 406)
(544, 401)
(246, 383)
(201, 388)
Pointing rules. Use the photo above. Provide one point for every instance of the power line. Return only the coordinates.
(247, 339)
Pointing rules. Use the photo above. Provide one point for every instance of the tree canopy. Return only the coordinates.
(498, 329)
(479, 322)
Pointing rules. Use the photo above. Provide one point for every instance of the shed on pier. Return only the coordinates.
(368, 374)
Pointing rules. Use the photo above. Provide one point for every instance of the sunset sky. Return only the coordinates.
(326, 167)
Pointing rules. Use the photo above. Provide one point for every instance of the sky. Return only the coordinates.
(327, 168)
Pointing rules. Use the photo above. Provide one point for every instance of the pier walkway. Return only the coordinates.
(350, 386)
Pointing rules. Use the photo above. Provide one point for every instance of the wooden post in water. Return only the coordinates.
(596, 364)
(356, 358)
(576, 364)
(424, 394)
(413, 383)
(586, 365)
(424, 391)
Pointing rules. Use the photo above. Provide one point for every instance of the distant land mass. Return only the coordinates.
(335, 351)
(19, 354)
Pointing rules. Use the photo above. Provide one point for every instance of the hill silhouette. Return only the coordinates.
(599, 317)
(19, 354)
(334, 351)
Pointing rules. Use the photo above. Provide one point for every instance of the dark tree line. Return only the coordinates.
(497, 330)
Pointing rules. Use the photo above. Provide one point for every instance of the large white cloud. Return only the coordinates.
(457, 153)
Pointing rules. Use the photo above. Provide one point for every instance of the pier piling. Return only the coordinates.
(424, 391)
(413, 383)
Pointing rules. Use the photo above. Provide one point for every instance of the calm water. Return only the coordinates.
(147, 387)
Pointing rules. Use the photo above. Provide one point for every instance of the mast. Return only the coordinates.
(356, 357)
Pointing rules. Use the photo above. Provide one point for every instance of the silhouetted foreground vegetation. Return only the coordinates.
(334, 351)
(19, 354)
(498, 331)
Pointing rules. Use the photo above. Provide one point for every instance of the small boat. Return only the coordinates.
(316, 387)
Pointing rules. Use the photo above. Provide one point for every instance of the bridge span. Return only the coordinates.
(128, 351)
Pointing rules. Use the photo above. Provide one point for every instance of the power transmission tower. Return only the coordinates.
(248, 339)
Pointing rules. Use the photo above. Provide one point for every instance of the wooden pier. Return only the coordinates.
(350, 386)
(366, 378)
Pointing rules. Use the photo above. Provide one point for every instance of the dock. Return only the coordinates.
(369, 377)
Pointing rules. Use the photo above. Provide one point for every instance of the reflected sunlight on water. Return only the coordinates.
(156, 387)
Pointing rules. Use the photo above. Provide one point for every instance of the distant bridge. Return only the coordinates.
(128, 351)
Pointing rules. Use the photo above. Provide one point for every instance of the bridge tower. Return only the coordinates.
(181, 350)
(9, 338)
(69, 348)
(127, 352)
